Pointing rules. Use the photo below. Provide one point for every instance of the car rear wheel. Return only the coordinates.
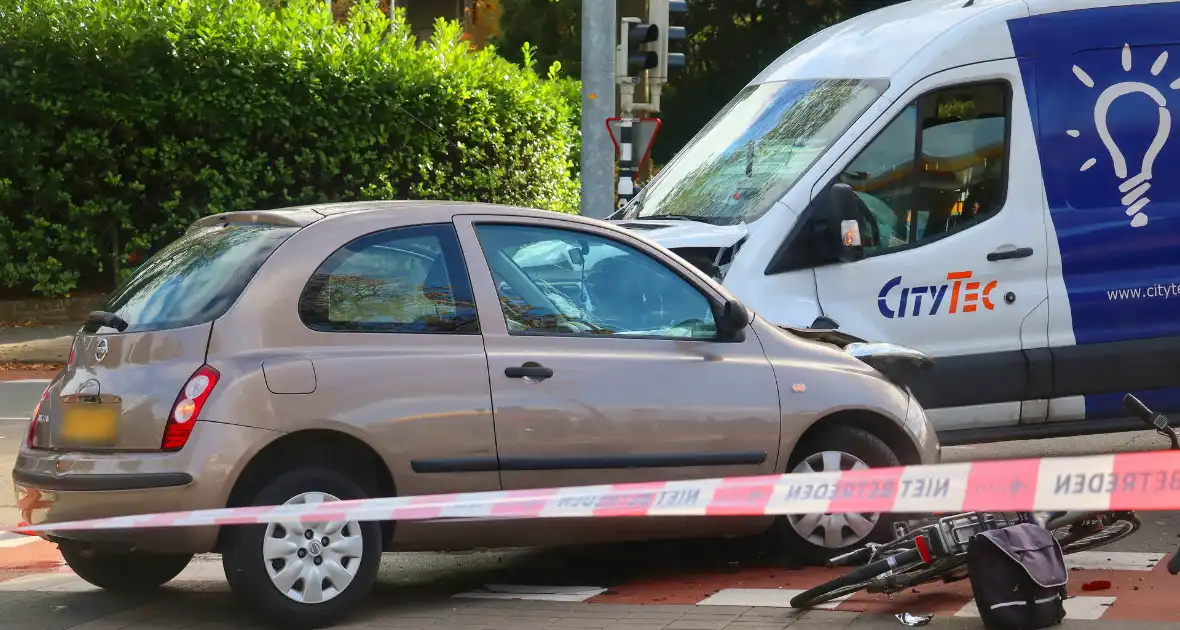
(124, 572)
(816, 538)
(304, 576)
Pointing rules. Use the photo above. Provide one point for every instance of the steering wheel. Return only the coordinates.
(692, 325)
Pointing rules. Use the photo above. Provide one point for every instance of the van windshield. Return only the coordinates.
(755, 149)
(196, 278)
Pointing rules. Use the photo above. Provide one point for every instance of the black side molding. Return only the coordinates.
(1040, 430)
(601, 462)
(455, 464)
(641, 460)
(101, 483)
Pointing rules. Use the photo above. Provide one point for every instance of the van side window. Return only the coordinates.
(938, 168)
(404, 280)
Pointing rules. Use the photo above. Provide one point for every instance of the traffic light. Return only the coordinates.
(662, 14)
(630, 59)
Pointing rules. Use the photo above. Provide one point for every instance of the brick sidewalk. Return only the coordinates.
(213, 612)
(33, 575)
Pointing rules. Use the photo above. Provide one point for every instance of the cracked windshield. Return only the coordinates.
(755, 150)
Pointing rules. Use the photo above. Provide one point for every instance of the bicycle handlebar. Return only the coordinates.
(1139, 410)
(1159, 422)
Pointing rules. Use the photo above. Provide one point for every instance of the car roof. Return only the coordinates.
(302, 216)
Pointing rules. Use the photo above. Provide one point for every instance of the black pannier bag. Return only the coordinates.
(1018, 574)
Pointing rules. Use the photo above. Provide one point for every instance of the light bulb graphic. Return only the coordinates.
(1134, 187)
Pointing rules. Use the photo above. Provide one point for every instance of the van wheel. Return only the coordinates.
(816, 538)
(124, 572)
(304, 576)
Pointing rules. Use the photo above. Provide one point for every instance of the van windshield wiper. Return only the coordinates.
(680, 217)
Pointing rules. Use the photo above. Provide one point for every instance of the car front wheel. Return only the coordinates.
(124, 572)
(816, 538)
(310, 575)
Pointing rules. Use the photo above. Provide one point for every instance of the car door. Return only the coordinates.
(953, 225)
(384, 343)
(604, 361)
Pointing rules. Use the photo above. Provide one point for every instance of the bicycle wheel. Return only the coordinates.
(916, 576)
(856, 579)
(1124, 525)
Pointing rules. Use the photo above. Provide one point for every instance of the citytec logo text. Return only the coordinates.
(960, 294)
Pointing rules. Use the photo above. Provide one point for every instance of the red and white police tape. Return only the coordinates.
(1127, 481)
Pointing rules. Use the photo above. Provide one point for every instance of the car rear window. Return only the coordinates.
(197, 277)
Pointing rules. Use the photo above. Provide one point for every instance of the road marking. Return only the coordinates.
(63, 580)
(534, 593)
(1080, 607)
(9, 543)
(1114, 560)
(37, 581)
(763, 597)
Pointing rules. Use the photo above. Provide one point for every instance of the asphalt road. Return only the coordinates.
(1159, 532)
(406, 578)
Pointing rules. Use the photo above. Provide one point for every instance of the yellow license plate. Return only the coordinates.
(90, 424)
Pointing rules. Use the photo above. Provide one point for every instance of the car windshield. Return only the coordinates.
(197, 277)
(755, 150)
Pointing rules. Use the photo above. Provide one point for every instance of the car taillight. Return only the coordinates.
(32, 435)
(187, 407)
(70, 359)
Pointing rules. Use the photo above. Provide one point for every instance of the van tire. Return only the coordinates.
(855, 442)
(131, 572)
(246, 570)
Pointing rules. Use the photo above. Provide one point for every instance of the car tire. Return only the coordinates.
(853, 444)
(249, 573)
(129, 572)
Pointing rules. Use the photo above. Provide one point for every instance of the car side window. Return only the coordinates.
(937, 168)
(556, 281)
(403, 280)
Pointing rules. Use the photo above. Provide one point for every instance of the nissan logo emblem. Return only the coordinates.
(100, 352)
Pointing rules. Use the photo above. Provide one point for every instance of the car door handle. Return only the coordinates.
(1019, 252)
(530, 369)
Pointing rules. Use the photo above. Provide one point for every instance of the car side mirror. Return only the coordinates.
(734, 320)
(844, 212)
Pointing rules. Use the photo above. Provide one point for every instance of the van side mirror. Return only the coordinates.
(576, 257)
(824, 323)
(844, 213)
(733, 322)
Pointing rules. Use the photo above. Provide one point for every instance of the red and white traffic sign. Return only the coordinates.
(643, 135)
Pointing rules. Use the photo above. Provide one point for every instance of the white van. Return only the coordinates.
(1011, 169)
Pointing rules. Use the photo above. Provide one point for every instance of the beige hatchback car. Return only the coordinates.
(373, 349)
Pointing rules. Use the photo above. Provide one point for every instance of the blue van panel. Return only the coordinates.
(1112, 270)
(1113, 192)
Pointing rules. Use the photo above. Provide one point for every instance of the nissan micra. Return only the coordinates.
(375, 349)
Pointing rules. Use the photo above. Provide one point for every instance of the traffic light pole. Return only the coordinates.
(598, 104)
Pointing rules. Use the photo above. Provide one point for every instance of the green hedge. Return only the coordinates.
(121, 121)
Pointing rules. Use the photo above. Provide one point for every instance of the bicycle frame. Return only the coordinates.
(928, 549)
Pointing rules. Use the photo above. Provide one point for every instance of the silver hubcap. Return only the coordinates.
(315, 562)
(832, 531)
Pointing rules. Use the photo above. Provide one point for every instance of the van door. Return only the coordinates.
(953, 223)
